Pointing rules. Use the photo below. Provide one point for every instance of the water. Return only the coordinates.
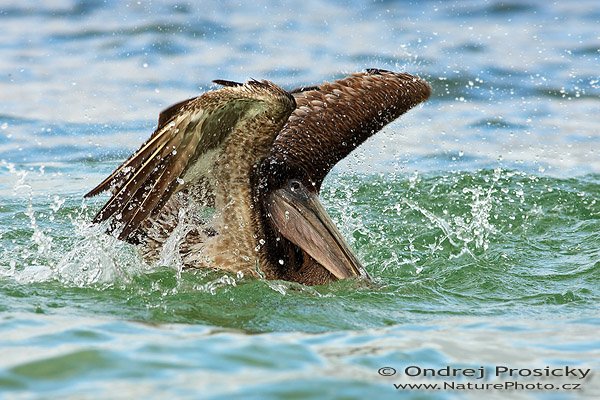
(477, 214)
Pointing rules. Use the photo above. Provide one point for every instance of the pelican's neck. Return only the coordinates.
(239, 226)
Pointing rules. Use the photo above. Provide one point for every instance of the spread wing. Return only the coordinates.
(183, 140)
(332, 119)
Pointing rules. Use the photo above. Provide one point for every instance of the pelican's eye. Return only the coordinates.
(294, 185)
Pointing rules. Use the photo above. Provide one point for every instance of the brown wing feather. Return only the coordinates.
(137, 159)
(167, 114)
(164, 183)
(334, 118)
(150, 160)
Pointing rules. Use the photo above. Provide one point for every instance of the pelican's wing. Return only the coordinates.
(184, 138)
(332, 119)
(120, 175)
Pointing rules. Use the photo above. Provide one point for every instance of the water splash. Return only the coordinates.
(224, 281)
(57, 242)
(407, 223)
(95, 258)
(61, 244)
(467, 233)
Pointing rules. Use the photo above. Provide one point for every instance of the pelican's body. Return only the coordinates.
(255, 156)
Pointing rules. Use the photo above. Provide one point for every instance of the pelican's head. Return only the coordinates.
(302, 242)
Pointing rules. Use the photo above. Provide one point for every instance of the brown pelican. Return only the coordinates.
(230, 179)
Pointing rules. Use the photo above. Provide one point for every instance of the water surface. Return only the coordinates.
(477, 214)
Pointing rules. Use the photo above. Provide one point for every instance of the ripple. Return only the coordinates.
(78, 9)
(472, 47)
(497, 123)
(567, 94)
(75, 364)
(587, 51)
(198, 29)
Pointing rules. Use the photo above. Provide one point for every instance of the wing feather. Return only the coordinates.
(169, 113)
(167, 142)
(137, 159)
(186, 132)
(332, 119)
(149, 200)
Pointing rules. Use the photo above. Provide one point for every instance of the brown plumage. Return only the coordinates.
(257, 156)
(186, 133)
(332, 119)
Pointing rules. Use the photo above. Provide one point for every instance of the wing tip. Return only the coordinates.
(422, 88)
(377, 71)
(227, 83)
(95, 191)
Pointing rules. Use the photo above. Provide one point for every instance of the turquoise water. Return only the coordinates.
(477, 214)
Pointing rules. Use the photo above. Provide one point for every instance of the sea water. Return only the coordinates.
(477, 214)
